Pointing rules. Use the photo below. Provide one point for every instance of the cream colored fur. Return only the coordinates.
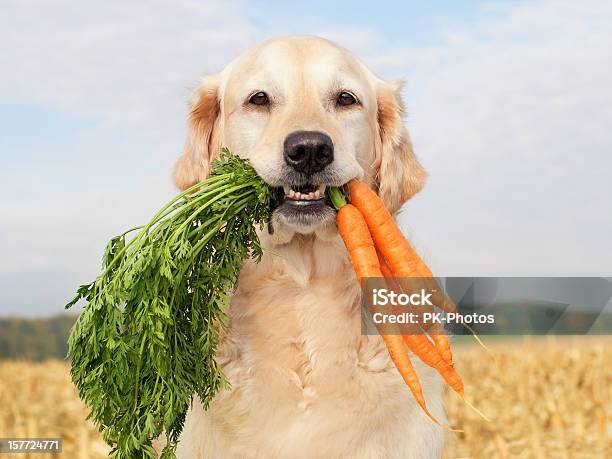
(305, 382)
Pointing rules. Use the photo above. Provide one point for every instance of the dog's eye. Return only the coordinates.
(346, 98)
(259, 98)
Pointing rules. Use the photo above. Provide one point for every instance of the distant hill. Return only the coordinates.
(42, 339)
(531, 317)
(35, 339)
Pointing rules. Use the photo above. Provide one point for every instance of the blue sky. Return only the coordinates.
(509, 109)
(420, 23)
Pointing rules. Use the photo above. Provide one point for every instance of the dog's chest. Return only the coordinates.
(298, 358)
(305, 382)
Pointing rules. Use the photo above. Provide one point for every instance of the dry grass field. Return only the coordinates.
(545, 398)
(39, 400)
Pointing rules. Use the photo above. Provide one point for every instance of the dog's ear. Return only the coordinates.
(399, 174)
(202, 143)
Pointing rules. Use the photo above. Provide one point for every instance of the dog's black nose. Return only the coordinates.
(308, 151)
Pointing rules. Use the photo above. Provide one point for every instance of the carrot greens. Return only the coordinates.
(146, 340)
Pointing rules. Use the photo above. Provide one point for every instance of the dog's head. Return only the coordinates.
(307, 115)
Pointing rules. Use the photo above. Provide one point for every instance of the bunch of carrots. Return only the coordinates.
(378, 249)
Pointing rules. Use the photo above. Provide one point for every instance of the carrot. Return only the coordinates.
(425, 350)
(396, 250)
(432, 354)
(360, 246)
(356, 236)
(441, 342)
(435, 330)
(367, 226)
(389, 240)
(401, 360)
(384, 267)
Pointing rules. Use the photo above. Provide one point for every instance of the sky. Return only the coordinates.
(509, 107)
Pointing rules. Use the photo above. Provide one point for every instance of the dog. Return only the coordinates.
(305, 382)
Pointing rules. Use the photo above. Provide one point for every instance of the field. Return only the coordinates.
(546, 398)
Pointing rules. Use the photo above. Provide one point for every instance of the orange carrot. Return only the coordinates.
(356, 236)
(397, 351)
(367, 226)
(354, 231)
(441, 342)
(389, 240)
(424, 349)
(396, 250)
(431, 354)
(360, 193)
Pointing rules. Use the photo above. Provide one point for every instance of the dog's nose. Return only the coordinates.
(308, 151)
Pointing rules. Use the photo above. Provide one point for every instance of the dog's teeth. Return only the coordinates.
(310, 196)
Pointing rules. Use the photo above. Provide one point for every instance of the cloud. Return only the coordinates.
(510, 113)
(511, 117)
(122, 63)
(126, 71)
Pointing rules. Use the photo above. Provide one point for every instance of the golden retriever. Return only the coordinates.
(305, 382)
